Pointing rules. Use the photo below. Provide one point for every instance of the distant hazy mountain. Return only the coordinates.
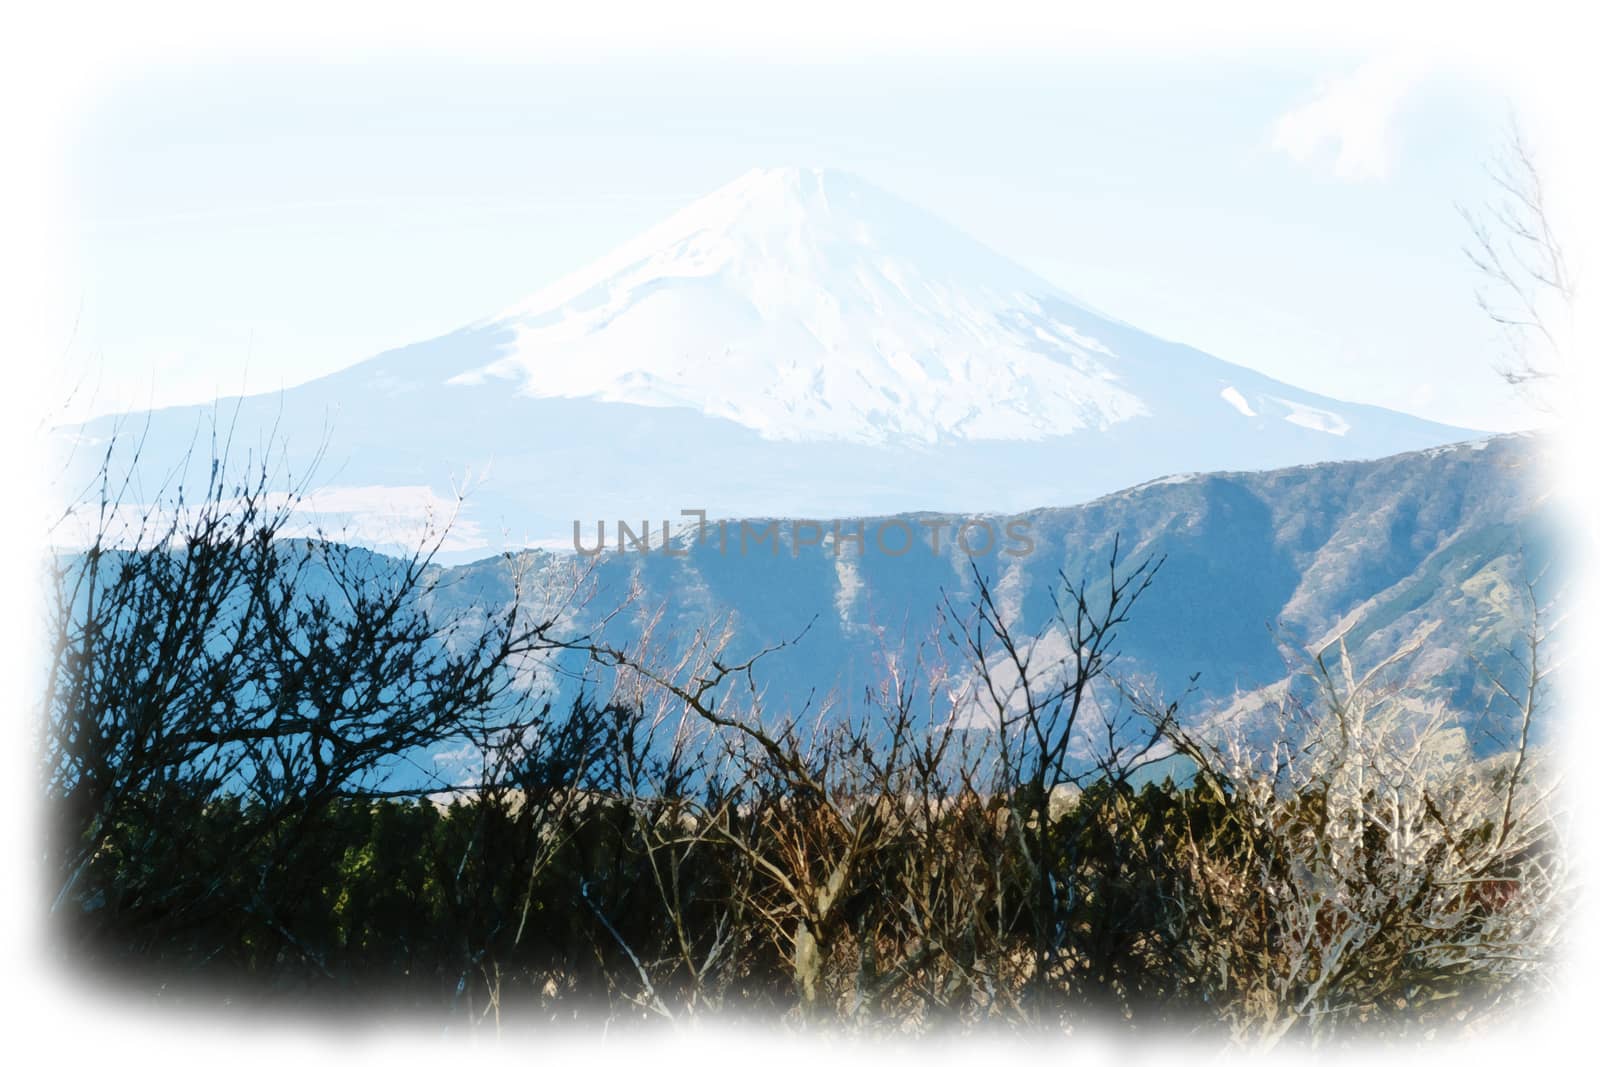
(797, 342)
(1258, 565)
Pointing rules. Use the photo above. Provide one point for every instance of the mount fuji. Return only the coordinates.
(798, 343)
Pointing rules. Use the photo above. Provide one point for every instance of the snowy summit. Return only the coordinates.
(808, 304)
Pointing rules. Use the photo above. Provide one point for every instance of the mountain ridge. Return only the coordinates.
(1260, 570)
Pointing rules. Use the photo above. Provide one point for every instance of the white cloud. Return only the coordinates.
(1354, 114)
(384, 517)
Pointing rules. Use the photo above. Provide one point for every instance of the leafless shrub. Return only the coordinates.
(1365, 870)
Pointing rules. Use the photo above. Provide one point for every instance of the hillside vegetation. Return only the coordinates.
(1002, 831)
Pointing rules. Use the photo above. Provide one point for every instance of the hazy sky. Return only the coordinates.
(251, 227)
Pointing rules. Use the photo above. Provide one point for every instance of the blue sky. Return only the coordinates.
(257, 225)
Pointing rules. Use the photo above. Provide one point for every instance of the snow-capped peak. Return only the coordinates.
(809, 304)
(797, 343)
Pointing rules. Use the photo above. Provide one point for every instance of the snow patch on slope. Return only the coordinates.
(1238, 402)
(1314, 418)
(1290, 411)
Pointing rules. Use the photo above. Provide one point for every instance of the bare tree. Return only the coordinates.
(1527, 289)
(1057, 730)
(201, 658)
